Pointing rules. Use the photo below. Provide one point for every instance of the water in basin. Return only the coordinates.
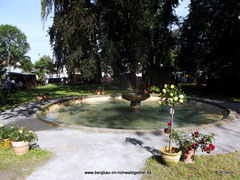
(118, 115)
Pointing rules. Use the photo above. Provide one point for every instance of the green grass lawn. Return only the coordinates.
(224, 166)
(18, 167)
(56, 91)
(205, 167)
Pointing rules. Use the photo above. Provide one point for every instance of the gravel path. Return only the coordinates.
(79, 152)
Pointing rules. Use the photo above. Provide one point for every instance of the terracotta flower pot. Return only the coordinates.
(5, 144)
(170, 158)
(21, 147)
(188, 157)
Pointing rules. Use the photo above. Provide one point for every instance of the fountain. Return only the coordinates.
(111, 113)
(135, 98)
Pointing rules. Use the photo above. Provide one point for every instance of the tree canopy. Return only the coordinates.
(123, 36)
(13, 46)
(44, 65)
(118, 36)
(209, 41)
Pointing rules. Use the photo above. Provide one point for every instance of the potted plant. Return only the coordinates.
(171, 95)
(189, 143)
(4, 137)
(146, 89)
(20, 139)
(97, 92)
(154, 89)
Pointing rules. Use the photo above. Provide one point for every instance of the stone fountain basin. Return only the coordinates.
(228, 115)
(135, 96)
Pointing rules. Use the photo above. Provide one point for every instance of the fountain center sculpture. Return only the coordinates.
(135, 98)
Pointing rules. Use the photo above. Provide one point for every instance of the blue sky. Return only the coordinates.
(26, 15)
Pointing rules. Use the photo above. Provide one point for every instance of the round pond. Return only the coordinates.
(115, 113)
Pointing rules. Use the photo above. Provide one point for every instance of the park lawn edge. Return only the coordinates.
(220, 166)
(19, 167)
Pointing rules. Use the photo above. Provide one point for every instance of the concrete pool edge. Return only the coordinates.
(40, 115)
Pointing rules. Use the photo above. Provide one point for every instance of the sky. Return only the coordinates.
(26, 16)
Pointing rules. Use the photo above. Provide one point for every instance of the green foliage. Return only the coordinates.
(73, 38)
(186, 141)
(113, 36)
(3, 66)
(21, 134)
(44, 65)
(154, 89)
(209, 41)
(26, 65)
(5, 132)
(171, 95)
(13, 46)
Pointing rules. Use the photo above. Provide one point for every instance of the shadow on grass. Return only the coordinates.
(158, 159)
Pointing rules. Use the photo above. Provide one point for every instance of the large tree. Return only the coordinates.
(13, 45)
(222, 59)
(120, 36)
(73, 36)
(26, 65)
(44, 66)
(209, 41)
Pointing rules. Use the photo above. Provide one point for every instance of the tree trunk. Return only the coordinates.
(9, 54)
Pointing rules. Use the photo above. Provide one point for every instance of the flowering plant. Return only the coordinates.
(171, 95)
(194, 141)
(97, 91)
(154, 89)
(22, 134)
(4, 132)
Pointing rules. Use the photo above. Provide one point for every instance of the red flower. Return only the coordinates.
(193, 145)
(107, 79)
(186, 152)
(145, 87)
(169, 124)
(207, 149)
(211, 147)
(196, 134)
(189, 149)
(165, 130)
(202, 141)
